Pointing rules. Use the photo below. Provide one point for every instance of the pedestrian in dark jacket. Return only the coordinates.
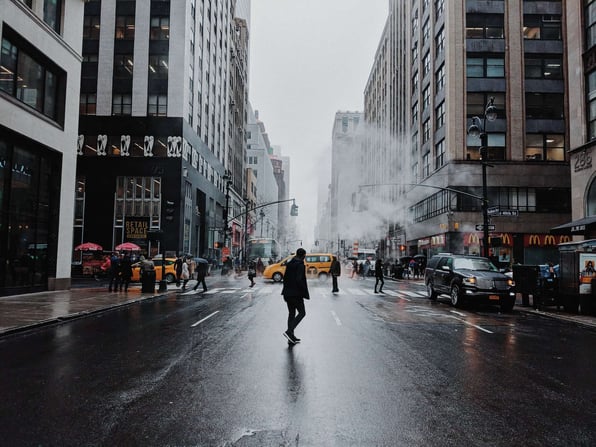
(114, 273)
(125, 273)
(379, 275)
(178, 268)
(252, 272)
(335, 271)
(295, 290)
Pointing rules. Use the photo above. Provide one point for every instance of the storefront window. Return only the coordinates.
(591, 200)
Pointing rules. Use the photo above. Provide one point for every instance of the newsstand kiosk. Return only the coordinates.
(577, 281)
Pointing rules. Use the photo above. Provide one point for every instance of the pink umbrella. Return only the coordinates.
(89, 246)
(128, 246)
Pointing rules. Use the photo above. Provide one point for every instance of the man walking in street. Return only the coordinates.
(335, 272)
(379, 275)
(294, 291)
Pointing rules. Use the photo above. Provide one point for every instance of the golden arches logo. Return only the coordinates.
(534, 239)
(474, 239)
(549, 239)
(506, 239)
(564, 238)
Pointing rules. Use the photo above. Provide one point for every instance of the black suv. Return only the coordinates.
(468, 278)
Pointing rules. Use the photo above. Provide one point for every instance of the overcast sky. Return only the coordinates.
(310, 59)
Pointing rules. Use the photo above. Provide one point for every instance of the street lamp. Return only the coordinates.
(262, 214)
(228, 179)
(478, 129)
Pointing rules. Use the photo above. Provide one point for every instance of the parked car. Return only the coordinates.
(170, 270)
(468, 279)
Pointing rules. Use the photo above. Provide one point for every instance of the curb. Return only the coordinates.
(75, 316)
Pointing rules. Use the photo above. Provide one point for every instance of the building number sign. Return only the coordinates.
(583, 160)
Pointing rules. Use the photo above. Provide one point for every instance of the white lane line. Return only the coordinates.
(397, 295)
(207, 317)
(470, 324)
(414, 294)
(458, 313)
(336, 318)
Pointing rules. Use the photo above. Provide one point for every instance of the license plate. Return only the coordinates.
(494, 297)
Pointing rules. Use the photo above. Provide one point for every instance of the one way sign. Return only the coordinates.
(480, 227)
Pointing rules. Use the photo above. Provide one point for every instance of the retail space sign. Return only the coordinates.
(136, 228)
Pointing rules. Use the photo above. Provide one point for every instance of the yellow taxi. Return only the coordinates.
(170, 270)
(317, 266)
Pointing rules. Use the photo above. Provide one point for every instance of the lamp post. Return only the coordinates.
(228, 179)
(478, 129)
(262, 214)
(245, 255)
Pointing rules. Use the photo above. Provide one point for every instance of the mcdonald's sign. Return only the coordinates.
(472, 239)
(543, 240)
(564, 238)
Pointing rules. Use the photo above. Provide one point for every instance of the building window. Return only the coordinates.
(440, 115)
(157, 105)
(52, 13)
(440, 42)
(426, 131)
(426, 98)
(496, 146)
(415, 113)
(139, 197)
(414, 50)
(426, 165)
(591, 104)
(91, 27)
(415, 82)
(87, 104)
(158, 67)
(439, 8)
(38, 84)
(546, 106)
(426, 64)
(485, 67)
(543, 67)
(590, 21)
(476, 104)
(484, 26)
(439, 154)
(425, 31)
(123, 66)
(125, 28)
(440, 78)
(122, 104)
(543, 27)
(160, 28)
(549, 147)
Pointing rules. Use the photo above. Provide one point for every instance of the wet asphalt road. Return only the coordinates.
(372, 370)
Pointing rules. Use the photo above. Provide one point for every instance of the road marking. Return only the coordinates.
(458, 313)
(207, 317)
(397, 295)
(336, 318)
(470, 324)
(414, 294)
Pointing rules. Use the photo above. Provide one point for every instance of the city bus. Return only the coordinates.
(265, 248)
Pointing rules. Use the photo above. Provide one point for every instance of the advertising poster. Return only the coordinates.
(587, 261)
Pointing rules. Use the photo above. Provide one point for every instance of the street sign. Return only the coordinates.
(493, 210)
(509, 212)
(480, 227)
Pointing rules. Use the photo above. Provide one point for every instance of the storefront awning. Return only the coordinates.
(577, 227)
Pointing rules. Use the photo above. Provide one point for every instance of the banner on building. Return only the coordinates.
(136, 228)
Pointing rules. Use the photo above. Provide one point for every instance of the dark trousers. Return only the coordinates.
(379, 280)
(334, 279)
(201, 280)
(295, 304)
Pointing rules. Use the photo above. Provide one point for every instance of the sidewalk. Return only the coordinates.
(20, 313)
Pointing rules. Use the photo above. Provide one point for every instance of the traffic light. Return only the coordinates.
(170, 210)
(294, 210)
(218, 244)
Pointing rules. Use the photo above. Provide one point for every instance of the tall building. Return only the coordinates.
(40, 64)
(161, 136)
(581, 72)
(512, 57)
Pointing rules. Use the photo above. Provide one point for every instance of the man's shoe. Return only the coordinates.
(289, 337)
(296, 339)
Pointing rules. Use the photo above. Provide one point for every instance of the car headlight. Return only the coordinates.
(471, 280)
(511, 283)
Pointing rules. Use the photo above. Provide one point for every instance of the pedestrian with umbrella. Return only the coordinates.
(202, 269)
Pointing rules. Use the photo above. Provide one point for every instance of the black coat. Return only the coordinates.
(295, 280)
(335, 268)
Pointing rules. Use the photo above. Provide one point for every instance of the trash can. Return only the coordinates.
(148, 281)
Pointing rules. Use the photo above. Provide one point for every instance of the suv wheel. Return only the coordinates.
(507, 304)
(277, 277)
(455, 295)
(432, 295)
